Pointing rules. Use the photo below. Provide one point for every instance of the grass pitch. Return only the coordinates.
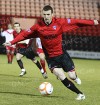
(15, 90)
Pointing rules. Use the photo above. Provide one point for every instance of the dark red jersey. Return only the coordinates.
(51, 35)
(19, 45)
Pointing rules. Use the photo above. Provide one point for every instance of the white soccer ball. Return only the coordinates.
(46, 88)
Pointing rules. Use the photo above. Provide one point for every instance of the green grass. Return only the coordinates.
(15, 90)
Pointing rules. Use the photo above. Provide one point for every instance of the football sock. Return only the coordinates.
(12, 55)
(20, 63)
(71, 86)
(23, 70)
(42, 71)
(38, 65)
(43, 64)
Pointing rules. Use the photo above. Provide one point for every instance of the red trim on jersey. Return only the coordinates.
(9, 32)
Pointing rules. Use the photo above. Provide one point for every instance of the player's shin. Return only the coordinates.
(43, 64)
(71, 86)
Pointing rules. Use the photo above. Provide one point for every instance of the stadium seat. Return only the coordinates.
(18, 12)
(22, 4)
(28, 13)
(13, 12)
(56, 2)
(22, 12)
(3, 11)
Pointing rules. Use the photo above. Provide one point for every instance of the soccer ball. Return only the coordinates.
(46, 88)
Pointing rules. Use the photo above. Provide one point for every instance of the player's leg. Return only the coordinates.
(31, 55)
(60, 74)
(44, 74)
(8, 54)
(42, 58)
(70, 68)
(73, 76)
(20, 63)
(42, 61)
(12, 53)
(55, 65)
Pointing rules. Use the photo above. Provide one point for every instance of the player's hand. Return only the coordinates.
(96, 22)
(7, 44)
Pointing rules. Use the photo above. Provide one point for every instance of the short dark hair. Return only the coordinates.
(17, 23)
(48, 7)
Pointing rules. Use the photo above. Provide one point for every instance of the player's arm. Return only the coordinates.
(82, 21)
(3, 34)
(24, 41)
(27, 34)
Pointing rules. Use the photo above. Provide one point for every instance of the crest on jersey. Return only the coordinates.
(69, 21)
(54, 27)
(28, 30)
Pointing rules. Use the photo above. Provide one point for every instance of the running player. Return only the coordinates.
(25, 48)
(50, 32)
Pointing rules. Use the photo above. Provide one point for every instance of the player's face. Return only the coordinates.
(17, 28)
(9, 26)
(47, 16)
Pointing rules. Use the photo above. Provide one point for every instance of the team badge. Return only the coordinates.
(69, 21)
(54, 27)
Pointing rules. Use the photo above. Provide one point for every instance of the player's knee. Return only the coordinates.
(72, 75)
(12, 52)
(7, 51)
(59, 73)
(34, 60)
(42, 56)
(18, 58)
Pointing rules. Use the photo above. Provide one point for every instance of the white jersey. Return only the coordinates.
(8, 34)
(38, 43)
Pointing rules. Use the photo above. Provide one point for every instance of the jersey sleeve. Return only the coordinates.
(27, 34)
(80, 21)
(72, 24)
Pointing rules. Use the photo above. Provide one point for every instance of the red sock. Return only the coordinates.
(43, 65)
(12, 55)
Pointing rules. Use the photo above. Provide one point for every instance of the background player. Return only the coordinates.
(8, 34)
(25, 48)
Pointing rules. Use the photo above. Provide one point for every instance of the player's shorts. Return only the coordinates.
(28, 52)
(11, 48)
(39, 51)
(63, 61)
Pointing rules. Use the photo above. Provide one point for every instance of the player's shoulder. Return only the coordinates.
(61, 20)
(4, 32)
(40, 22)
(11, 30)
(14, 32)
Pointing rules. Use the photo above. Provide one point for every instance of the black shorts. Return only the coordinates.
(63, 61)
(28, 52)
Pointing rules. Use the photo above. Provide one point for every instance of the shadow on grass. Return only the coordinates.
(32, 95)
(14, 76)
